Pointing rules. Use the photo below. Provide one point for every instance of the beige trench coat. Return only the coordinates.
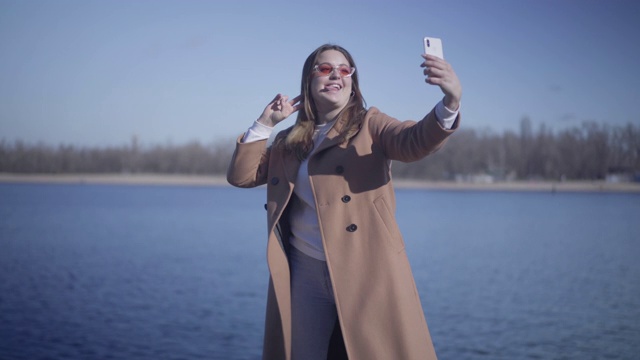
(376, 297)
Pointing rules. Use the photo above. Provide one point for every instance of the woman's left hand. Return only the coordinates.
(440, 73)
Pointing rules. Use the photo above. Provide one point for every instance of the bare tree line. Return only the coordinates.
(590, 151)
(587, 152)
(190, 158)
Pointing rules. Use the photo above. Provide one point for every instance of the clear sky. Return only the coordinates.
(95, 73)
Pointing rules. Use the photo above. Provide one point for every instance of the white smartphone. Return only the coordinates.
(433, 46)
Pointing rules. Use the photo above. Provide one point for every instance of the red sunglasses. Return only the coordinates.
(325, 69)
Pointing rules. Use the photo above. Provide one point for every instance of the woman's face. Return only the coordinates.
(331, 92)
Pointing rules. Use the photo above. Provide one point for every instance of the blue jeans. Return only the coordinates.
(313, 307)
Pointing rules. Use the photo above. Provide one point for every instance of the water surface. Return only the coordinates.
(162, 272)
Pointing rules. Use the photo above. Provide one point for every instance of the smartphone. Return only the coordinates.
(433, 46)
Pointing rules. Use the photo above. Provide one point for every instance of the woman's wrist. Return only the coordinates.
(451, 103)
(257, 131)
(445, 116)
(266, 122)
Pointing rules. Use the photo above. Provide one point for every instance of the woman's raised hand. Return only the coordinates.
(279, 109)
(440, 73)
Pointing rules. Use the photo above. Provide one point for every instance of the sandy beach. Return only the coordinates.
(219, 180)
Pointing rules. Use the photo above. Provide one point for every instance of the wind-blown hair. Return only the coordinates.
(299, 140)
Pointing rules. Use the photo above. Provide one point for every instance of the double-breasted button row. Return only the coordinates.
(353, 227)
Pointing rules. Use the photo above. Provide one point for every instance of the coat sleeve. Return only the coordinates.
(248, 166)
(408, 141)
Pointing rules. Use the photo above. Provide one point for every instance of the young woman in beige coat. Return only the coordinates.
(340, 282)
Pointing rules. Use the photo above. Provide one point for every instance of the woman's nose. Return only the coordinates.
(335, 74)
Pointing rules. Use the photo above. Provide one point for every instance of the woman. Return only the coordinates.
(335, 253)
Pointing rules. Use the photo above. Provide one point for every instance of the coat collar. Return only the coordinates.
(333, 136)
(290, 162)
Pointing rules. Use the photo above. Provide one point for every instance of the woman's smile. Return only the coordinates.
(332, 87)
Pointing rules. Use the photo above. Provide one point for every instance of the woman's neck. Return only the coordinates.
(324, 118)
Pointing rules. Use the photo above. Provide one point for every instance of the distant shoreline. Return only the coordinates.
(219, 180)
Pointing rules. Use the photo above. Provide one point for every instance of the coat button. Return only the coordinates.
(346, 199)
(275, 181)
(265, 206)
(339, 169)
(352, 228)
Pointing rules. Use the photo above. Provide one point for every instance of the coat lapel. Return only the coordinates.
(290, 164)
(332, 137)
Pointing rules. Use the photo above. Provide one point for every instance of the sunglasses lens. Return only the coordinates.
(344, 71)
(325, 69)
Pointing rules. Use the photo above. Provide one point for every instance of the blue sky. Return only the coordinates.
(95, 73)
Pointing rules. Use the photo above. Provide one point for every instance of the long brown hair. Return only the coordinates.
(299, 140)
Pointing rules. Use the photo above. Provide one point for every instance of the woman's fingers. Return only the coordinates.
(296, 103)
(434, 67)
(440, 73)
(279, 109)
(273, 101)
(296, 99)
